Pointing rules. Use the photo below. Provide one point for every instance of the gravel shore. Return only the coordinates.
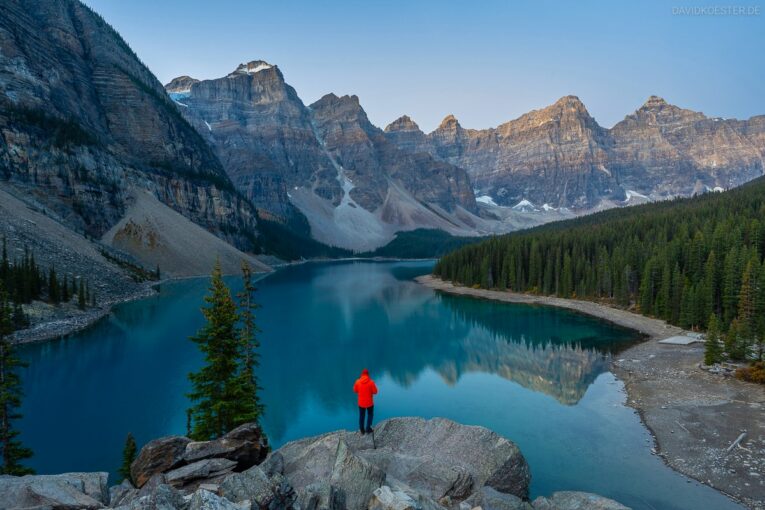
(693, 415)
(73, 320)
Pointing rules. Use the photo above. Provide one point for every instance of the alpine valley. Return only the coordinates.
(92, 141)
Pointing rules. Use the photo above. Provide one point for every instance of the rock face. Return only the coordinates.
(82, 122)
(323, 170)
(408, 464)
(68, 490)
(262, 133)
(432, 462)
(183, 461)
(560, 157)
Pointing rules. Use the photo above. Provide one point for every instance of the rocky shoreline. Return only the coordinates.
(694, 415)
(407, 464)
(78, 320)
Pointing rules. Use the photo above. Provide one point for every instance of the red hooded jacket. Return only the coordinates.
(365, 388)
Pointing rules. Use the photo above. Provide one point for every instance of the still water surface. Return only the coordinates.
(536, 375)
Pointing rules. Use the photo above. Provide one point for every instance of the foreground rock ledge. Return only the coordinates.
(409, 464)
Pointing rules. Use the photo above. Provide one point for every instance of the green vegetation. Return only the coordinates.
(62, 133)
(421, 243)
(24, 281)
(684, 261)
(293, 243)
(12, 452)
(128, 456)
(224, 391)
(137, 272)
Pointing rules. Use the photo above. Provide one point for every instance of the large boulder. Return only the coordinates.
(355, 477)
(205, 500)
(385, 498)
(491, 499)
(122, 493)
(158, 456)
(571, 500)
(245, 446)
(197, 472)
(430, 461)
(154, 496)
(68, 490)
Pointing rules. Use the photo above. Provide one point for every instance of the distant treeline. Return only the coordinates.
(23, 281)
(687, 261)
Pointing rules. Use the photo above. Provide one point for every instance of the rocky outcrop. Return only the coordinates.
(183, 461)
(323, 170)
(408, 464)
(570, 500)
(560, 157)
(68, 490)
(83, 122)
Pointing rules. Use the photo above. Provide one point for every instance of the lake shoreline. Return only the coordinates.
(693, 415)
(77, 320)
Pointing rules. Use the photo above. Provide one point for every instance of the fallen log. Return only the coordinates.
(736, 442)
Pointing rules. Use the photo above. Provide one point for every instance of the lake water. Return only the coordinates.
(536, 375)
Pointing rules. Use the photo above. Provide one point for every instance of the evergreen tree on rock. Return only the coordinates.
(219, 395)
(128, 456)
(251, 406)
(12, 452)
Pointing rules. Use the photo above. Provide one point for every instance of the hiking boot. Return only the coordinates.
(361, 432)
(369, 430)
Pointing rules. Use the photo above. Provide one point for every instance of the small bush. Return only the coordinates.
(754, 373)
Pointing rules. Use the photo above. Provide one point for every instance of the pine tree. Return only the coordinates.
(712, 347)
(53, 290)
(12, 452)
(216, 388)
(251, 406)
(81, 296)
(128, 456)
(65, 290)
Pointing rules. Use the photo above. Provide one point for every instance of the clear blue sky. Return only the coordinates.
(485, 61)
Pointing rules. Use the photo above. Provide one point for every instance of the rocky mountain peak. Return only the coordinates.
(333, 102)
(570, 101)
(403, 123)
(450, 123)
(251, 67)
(565, 105)
(181, 84)
(657, 111)
(654, 103)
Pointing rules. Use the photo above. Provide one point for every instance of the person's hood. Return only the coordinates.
(364, 378)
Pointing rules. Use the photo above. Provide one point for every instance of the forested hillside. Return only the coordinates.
(688, 261)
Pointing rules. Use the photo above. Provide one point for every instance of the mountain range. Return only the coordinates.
(324, 168)
(90, 138)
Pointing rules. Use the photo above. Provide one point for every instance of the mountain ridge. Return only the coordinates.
(560, 155)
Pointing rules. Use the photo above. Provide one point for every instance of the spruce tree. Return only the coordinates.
(65, 290)
(12, 452)
(128, 456)
(81, 296)
(251, 406)
(216, 389)
(54, 295)
(712, 347)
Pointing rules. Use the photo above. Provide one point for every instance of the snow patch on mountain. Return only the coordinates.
(485, 199)
(634, 194)
(525, 206)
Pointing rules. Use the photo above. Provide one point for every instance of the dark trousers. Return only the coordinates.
(370, 412)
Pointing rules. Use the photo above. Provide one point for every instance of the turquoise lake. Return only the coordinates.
(537, 375)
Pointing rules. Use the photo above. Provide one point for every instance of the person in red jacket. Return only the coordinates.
(365, 388)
